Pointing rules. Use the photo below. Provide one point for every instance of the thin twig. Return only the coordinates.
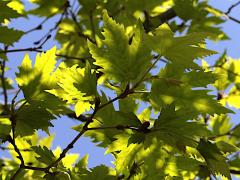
(20, 157)
(74, 18)
(14, 99)
(39, 26)
(12, 149)
(3, 65)
(118, 127)
(47, 36)
(37, 49)
(231, 7)
(145, 74)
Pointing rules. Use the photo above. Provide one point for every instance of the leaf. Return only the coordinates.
(82, 163)
(9, 36)
(76, 86)
(35, 81)
(101, 172)
(45, 8)
(71, 43)
(136, 138)
(216, 162)
(7, 12)
(30, 118)
(163, 42)
(68, 161)
(173, 127)
(164, 93)
(126, 158)
(5, 128)
(226, 147)
(220, 124)
(199, 78)
(46, 156)
(25, 143)
(120, 60)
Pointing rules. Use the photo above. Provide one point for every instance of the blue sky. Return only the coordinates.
(63, 132)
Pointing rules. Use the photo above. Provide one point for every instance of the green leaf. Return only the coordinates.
(71, 43)
(166, 45)
(126, 158)
(45, 8)
(30, 118)
(164, 93)
(35, 81)
(9, 36)
(76, 86)
(5, 128)
(101, 172)
(82, 163)
(120, 60)
(7, 12)
(226, 147)
(216, 162)
(46, 156)
(173, 127)
(199, 78)
(185, 9)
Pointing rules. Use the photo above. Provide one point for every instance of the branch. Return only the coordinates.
(231, 7)
(3, 65)
(147, 71)
(233, 19)
(20, 157)
(12, 149)
(37, 49)
(47, 36)
(162, 18)
(118, 127)
(71, 144)
(232, 171)
(124, 94)
(74, 18)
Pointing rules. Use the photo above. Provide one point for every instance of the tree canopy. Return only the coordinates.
(170, 117)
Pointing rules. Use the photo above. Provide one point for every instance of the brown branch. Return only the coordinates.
(74, 18)
(71, 144)
(3, 65)
(118, 127)
(147, 71)
(232, 171)
(162, 18)
(231, 7)
(12, 149)
(47, 36)
(20, 157)
(37, 49)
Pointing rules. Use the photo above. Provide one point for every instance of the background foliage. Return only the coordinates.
(170, 116)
